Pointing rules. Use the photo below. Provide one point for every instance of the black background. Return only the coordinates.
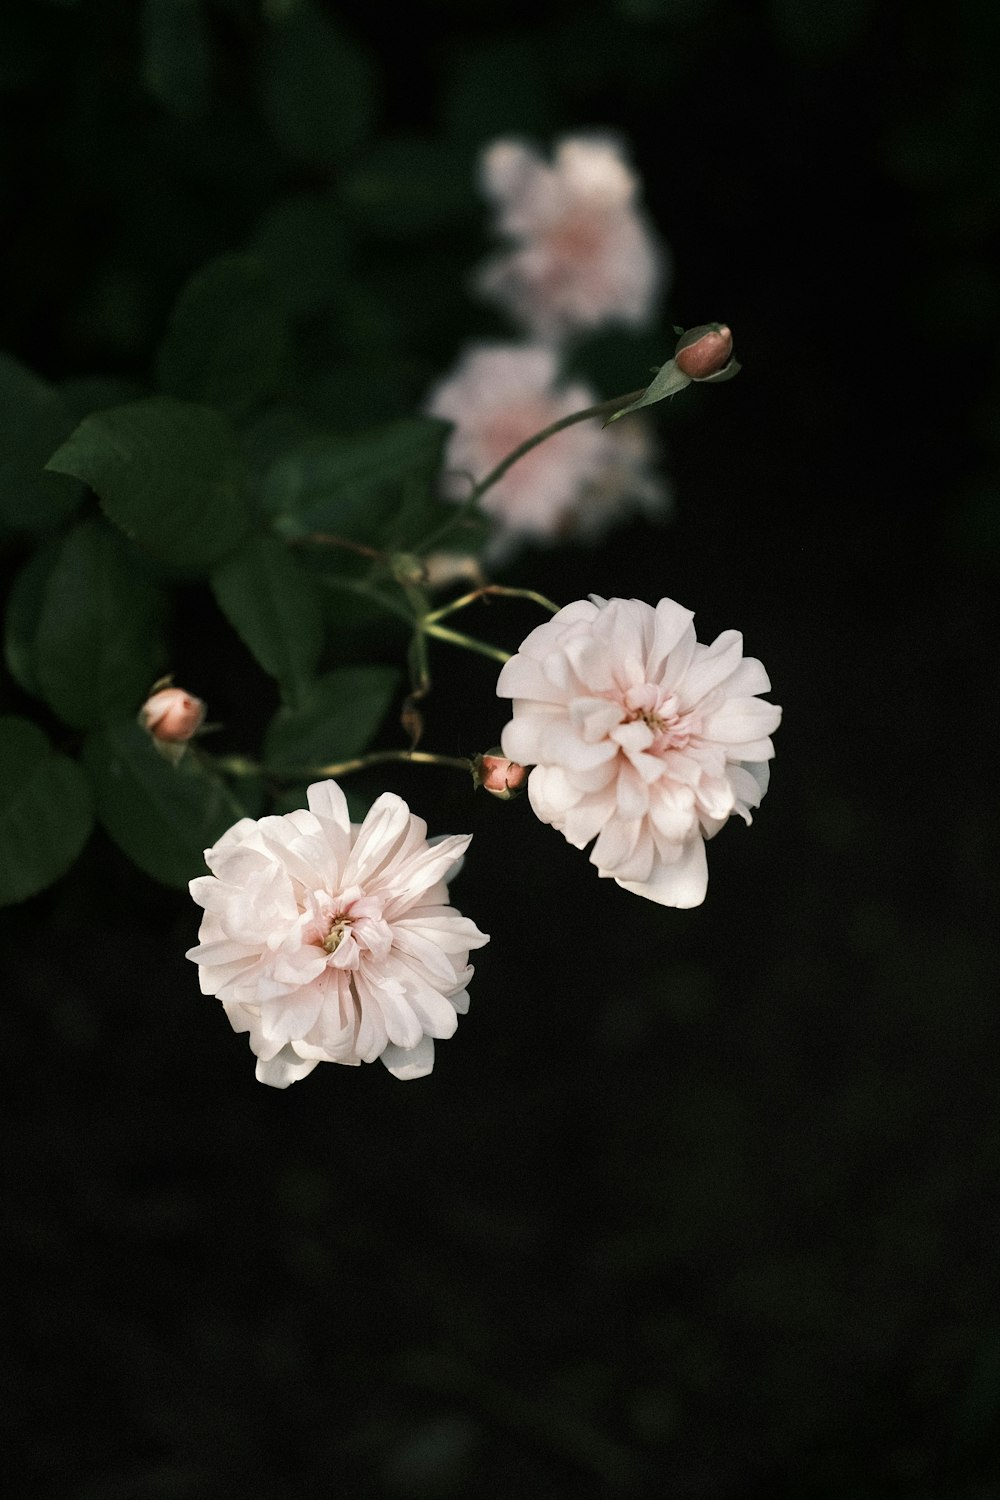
(696, 1204)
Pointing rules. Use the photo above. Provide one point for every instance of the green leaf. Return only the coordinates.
(168, 473)
(176, 58)
(33, 421)
(24, 611)
(318, 88)
(412, 185)
(352, 486)
(337, 720)
(667, 381)
(46, 811)
(274, 605)
(84, 394)
(97, 645)
(227, 342)
(301, 243)
(162, 816)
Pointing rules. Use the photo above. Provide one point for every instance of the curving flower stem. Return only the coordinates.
(378, 757)
(488, 590)
(605, 409)
(239, 765)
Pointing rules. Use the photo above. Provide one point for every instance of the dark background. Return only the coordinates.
(696, 1204)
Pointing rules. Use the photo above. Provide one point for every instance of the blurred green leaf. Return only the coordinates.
(412, 185)
(84, 394)
(318, 88)
(33, 421)
(24, 610)
(168, 473)
(353, 486)
(227, 341)
(337, 720)
(162, 816)
(176, 62)
(46, 811)
(301, 243)
(98, 646)
(274, 606)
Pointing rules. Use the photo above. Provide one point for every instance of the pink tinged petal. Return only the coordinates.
(540, 641)
(444, 927)
(715, 797)
(221, 953)
(413, 876)
(710, 666)
(237, 864)
(682, 883)
(675, 667)
(673, 817)
(460, 1000)
(631, 793)
(749, 783)
(232, 838)
(372, 1036)
(583, 823)
(401, 1025)
(425, 956)
(522, 677)
(327, 802)
(387, 823)
(748, 680)
(414, 1062)
(435, 1013)
(592, 663)
(594, 718)
(671, 624)
(741, 721)
(561, 745)
(614, 844)
(293, 1016)
(521, 739)
(633, 738)
(639, 863)
(285, 1068)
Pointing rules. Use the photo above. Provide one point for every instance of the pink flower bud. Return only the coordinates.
(171, 716)
(499, 776)
(705, 351)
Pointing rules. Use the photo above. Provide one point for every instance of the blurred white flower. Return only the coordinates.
(582, 254)
(333, 941)
(640, 738)
(575, 484)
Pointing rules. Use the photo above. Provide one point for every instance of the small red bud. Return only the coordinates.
(704, 351)
(499, 776)
(172, 716)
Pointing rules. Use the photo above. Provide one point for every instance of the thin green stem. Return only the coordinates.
(379, 757)
(487, 590)
(469, 642)
(600, 409)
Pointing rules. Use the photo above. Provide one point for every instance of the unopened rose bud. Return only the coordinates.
(499, 776)
(172, 716)
(706, 352)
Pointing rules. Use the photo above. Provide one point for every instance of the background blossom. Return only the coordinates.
(332, 941)
(641, 738)
(575, 484)
(582, 254)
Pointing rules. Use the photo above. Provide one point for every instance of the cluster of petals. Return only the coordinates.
(575, 484)
(333, 941)
(640, 738)
(581, 253)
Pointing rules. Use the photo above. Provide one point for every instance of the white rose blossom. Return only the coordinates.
(333, 941)
(582, 254)
(640, 738)
(574, 485)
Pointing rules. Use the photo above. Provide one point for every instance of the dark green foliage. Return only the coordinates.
(336, 720)
(168, 472)
(98, 641)
(33, 420)
(226, 345)
(46, 811)
(274, 606)
(163, 816)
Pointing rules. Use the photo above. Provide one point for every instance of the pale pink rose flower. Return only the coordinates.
(582, 254)
(333, 941)
(640, 738)
(574, 485)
